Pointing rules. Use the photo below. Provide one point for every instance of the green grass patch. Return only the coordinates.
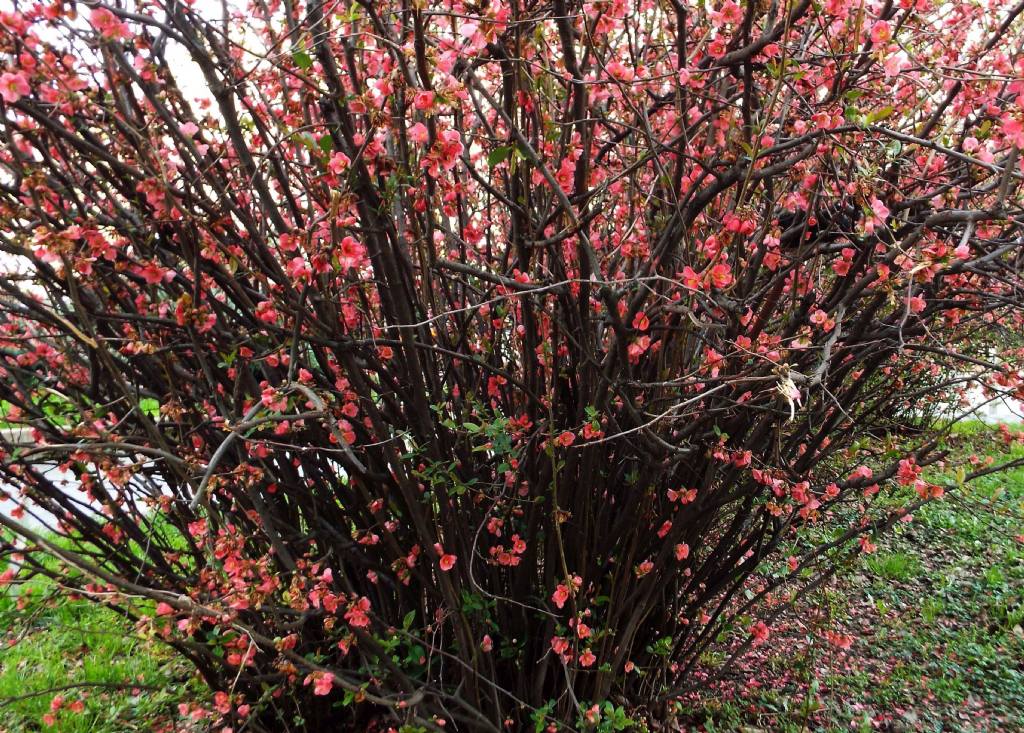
(110, 678)
(893, 566)
(937, 614)
(88, 655)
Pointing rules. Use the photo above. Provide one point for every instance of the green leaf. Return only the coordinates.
(326, 143)
(407, 621)
(416, 653)
(302, 59)
(881, 114)
(499, 155)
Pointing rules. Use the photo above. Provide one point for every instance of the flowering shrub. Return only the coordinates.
(470, 366)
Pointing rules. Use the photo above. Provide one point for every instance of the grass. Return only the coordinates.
(893, 566)
(109, 677)
(937, 614)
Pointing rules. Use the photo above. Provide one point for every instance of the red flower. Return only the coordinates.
(841, 641)
(721, 276)
(760, 633)
(357, 613)
(559, 645)
(153, 274)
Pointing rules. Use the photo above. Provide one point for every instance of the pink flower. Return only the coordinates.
(916, 304)
(423, 101)
(587, 658)
(486, 644)
(13, 86)
(841, 267)
(638, 348)
(350, 253)
(108, 24)
(760, 633)
(926, 490)
(582, 630)
(419, 133)
(861, 471)
(447, 562)
(274, 400)
(880, 32)
(449, 149)
(565, 173)
(339, 163)
(322, 683)
(620, 72)
(298, 268)
(565, 439)
(1013, 130)
(879, 209)
(560, 596)
(682, 551)
(691, 280)
(265, 312)
(731, 13)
